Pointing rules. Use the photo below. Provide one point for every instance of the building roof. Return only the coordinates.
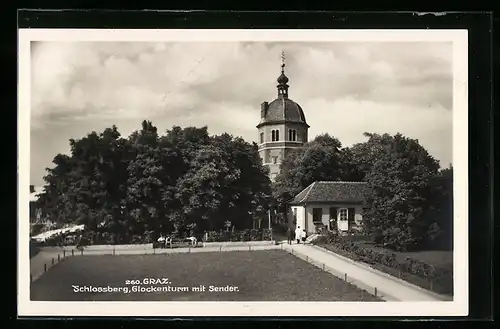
(332, 192)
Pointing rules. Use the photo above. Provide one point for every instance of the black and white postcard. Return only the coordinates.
(243, 172)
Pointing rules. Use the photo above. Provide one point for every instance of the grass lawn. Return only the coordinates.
(270, 275)
(438, 258)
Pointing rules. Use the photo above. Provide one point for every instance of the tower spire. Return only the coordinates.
(282, 79)
(282, 62)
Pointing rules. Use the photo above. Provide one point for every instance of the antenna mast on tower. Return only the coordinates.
(282, 61)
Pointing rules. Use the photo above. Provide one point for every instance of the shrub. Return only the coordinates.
(244, 235)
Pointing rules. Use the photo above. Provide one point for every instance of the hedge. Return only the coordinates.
(438, 279)
(244, 235)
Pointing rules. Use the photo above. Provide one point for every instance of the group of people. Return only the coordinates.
(165, 240)
(300, 235)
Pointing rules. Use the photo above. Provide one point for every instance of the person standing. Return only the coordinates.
(289, 235)
(298, 234)
(161, 241)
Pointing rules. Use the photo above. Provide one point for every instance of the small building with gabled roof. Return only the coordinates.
(336, 205)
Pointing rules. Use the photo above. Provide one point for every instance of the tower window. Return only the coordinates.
(292, 135)
(275, 135)
(261, 137)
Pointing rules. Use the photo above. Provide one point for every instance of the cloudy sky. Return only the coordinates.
(344, 88)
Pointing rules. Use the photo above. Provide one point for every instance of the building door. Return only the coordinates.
(332, 221)
(317, 214)
(343, 223)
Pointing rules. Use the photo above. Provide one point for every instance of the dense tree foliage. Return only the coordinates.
(400, 199)
(184, 182)
(441, 230)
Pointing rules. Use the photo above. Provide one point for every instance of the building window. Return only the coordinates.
(343, 214)
(261, 138)
(292, 135)
(275, 135)
(317, 214)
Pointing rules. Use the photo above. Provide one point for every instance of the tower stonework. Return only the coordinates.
(282, 127)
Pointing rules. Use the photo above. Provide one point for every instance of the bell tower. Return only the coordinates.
(282, 126)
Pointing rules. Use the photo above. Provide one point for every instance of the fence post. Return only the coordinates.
(220, 248)
(64, 253)
(72, 252)
(249, 247)
(375, 291)
(307, 258)
(58, 258)
(52, 260)
(114, 250)
(45, 267)
(323, 266)
(345, 277)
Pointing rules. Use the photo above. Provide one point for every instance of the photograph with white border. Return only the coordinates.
(242, 172)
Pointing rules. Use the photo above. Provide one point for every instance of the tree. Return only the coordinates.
(399, 203)
(226, 181)
(362, 156)
(441, 231)
(145, 185)
(52, 200)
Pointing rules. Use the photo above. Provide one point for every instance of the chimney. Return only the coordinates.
(263, 109)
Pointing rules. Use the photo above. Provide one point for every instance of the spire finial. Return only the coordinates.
(282, 61)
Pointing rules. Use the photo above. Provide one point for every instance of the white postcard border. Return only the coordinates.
(457, 307)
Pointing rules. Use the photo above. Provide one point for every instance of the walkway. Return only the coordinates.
(376, 282)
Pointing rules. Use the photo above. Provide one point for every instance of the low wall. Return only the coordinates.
(119, 247)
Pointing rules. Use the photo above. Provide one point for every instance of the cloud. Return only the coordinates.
(344, 88)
